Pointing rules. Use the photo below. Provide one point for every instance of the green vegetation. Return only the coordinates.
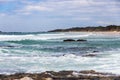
(98, 28)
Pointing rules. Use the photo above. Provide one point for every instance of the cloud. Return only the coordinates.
(7, 0)
(108, 22)
(103, 22)
(2, 14)
(64, 7)
(81, 18)
(59, 13)
(35, 8)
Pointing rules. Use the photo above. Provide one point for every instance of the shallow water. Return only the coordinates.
(37, 52)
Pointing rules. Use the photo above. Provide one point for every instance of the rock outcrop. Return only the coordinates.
(68, 40)
(71, 40)
(89, 55)
(62, 75)
(81, 40)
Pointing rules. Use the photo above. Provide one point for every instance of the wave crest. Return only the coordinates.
(40, 36)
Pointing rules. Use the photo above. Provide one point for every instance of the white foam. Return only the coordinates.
(107, 61)
(41, 36)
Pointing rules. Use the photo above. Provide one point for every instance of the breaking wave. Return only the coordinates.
(40, 36)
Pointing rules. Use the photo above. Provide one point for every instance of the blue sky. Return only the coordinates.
(43, 15)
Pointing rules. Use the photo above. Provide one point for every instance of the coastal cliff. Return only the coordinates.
(98, 28)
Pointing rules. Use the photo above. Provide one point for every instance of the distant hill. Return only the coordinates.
(91, 29)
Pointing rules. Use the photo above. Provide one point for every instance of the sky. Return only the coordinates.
(44, 15)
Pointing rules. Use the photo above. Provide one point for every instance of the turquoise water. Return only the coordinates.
(37, 52)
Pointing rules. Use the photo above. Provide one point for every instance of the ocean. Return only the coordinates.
(46, 51)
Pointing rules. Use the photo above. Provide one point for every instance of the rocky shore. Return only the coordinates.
(62, 75)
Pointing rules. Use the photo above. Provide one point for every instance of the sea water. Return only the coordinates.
(38, 52)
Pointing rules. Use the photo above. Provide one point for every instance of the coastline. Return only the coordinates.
(86, 31)
(90, 28)
(62, 75)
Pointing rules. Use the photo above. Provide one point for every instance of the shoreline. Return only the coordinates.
(62, 75)
(85, 31)
(89, 28)
(88, 31)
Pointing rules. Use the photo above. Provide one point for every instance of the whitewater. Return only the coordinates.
(38, 52)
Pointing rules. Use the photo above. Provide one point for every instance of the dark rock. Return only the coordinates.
(10, 46)
(88, 72)
(82, 40)
(95, 51)
(89, 55)
(7, 46)
(68, 40)
(62, 75)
